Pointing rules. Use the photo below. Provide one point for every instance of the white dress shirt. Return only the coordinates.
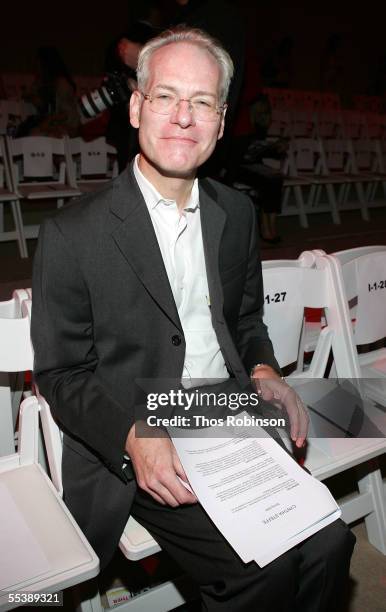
(180, 241)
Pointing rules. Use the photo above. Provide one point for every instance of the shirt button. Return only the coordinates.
(176, 340)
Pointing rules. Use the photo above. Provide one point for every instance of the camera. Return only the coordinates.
(114, 90)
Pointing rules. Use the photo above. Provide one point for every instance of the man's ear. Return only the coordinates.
(222, 123)
(135, 108)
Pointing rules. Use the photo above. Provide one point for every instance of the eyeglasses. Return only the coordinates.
(204, 108)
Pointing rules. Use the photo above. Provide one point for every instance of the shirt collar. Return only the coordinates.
(152, 197)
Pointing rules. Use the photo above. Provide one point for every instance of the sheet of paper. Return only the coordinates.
(21, 558)
(255, 493)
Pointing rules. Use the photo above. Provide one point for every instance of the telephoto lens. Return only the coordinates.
(114, 90)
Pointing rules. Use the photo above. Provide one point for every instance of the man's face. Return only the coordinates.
(175, 145)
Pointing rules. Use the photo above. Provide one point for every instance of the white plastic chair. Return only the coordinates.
(15, 357)
(8, 194)
(289, 287)
(362, 280)
(39, 172)
(92, 163)
(341, 166)
(43, 549)
(307, 175)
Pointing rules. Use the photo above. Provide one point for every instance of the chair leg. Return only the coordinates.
(333, 203)
(18, 221)
(376, 520)
(362, 200)
(87, 597)
(300, 205)
(1, 217)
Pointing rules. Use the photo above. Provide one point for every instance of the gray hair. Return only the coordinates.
(193, 36)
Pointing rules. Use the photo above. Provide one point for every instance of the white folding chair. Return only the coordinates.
(288, 289)
(42, 548)
(39, 172)
(341, 166)
(10, 195)
(361, 277)
(15, 357)
(92, 163)
(14, 381)
(306, 171)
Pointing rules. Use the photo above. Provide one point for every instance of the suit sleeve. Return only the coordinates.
(253, 340)
(65, 355)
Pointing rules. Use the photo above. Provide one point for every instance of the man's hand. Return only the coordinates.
(157, 468)
(272, 388)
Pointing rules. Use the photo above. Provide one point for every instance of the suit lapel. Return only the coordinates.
(212, 223)
(137, 241)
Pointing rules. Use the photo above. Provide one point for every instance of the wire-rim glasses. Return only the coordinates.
(204, 108)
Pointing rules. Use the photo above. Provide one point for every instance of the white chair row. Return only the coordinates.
(316, 280)
(42, 168)
(350, 172)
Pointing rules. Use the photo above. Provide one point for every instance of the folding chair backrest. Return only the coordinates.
(94, 157)
(36, 154)
(354, 124)
(288, 289)
(335, 154)
(16, 353)
(364, 278)
(11, 309)
(302, 123)
(304, 155)
(365, 154)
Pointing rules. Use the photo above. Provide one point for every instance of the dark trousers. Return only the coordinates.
(309, 578)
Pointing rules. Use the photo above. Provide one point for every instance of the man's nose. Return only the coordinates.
(183, 113)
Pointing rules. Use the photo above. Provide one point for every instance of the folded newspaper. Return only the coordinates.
(260, 499)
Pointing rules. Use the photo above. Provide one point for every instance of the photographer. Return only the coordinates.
(121, 58)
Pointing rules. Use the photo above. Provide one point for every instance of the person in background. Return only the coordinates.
(53, 95)
(251, 151)
(121, 57)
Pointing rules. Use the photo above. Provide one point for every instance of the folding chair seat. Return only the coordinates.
(288, 289)
(93, 163)
(43, 549)
(39, 171)
(8, 194)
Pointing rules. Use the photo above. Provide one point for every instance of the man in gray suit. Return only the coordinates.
(157, 276)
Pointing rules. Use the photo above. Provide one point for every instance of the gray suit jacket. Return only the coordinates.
(104, 315)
